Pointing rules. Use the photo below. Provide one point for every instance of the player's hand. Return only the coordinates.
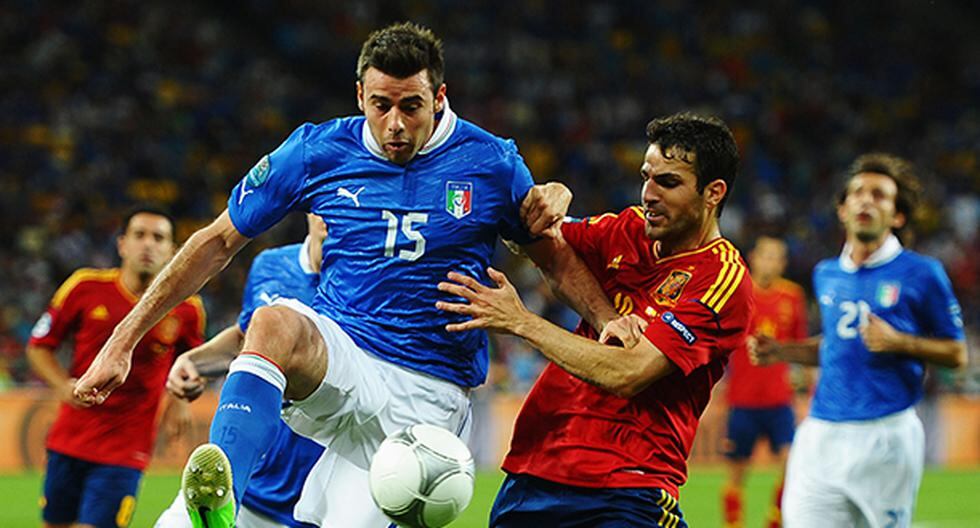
(497, 308)
(544, 208)
(184, 381)
(176, 418)
(66, 392)
(763, 350)
(625, 331)
(107, 372)
(879, 336)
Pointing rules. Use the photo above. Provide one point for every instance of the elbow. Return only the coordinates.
(634, 378)
(960, 357)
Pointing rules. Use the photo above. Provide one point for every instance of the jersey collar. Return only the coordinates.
(444, 129)
(883, 255)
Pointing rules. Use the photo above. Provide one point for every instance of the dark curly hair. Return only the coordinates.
(402, 50)
(706, 139)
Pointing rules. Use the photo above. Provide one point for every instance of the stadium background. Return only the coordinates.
(103, 104)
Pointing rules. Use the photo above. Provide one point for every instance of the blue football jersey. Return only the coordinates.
(395, 231)
(913, 294)
(277, 481)
(278, 272)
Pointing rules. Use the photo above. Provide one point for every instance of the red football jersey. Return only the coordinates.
(698, 305)
(122, 430)
(780, 312)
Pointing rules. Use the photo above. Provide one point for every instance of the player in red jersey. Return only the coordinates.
(96, 455)
(604, 435)
(760, 398)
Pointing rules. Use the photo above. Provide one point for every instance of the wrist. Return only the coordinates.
(524, 325)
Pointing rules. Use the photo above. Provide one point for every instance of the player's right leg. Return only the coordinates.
(109, 497)
(283, 354)
(814, 495)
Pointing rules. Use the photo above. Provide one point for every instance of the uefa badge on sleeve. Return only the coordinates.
(459, 198)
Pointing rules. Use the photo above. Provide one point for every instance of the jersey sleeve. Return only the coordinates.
(511, 227)
(192, 334)
(60, 317)
(272, 188)
(708, 322)
(585, 235)
(939, 310)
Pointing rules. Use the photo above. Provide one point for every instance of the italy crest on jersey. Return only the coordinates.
(459, 198)
(888, 294)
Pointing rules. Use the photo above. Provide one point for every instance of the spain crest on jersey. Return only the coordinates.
(888, 293)
(459, 198)
(670, 289)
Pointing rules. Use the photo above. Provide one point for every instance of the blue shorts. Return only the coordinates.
(76, 491)
(526, 501)
(746, 425)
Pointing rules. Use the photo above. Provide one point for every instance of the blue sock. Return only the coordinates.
(247, 419)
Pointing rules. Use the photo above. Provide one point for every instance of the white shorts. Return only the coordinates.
(862, 473)
(361, 400)
(176, 516)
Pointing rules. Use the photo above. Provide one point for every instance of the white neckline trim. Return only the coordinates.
(444, 129)
(304, 258)
(883, 255)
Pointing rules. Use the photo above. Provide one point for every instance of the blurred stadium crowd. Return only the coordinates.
(104, 104)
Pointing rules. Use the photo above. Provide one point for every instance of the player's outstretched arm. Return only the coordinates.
(881, 337)
(624, 371)
(571, 280)
(764, 350)
(190, 372)
(204, 254)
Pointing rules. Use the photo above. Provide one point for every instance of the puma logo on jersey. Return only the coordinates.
(352, 195)
(244, 192)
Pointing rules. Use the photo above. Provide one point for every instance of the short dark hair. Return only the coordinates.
(708, 138)
(147, 209)
(402, 50)
(900, 170)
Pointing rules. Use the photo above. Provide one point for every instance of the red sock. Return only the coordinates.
(775, 517)
(732, 507)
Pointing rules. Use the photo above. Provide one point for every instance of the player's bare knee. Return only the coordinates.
(277, 333)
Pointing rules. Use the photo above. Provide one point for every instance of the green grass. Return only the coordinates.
(948, 499)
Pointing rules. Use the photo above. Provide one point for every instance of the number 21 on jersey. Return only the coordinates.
(853, 316)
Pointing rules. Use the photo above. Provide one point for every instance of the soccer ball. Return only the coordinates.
(422, 477)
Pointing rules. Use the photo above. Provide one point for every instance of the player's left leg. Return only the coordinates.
(109, 499)
(886, 482)
(743, 430)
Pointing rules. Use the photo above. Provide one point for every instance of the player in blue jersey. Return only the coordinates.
(886, 311)
(409, 191)
(275, 486)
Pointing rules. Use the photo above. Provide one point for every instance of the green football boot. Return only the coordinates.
(207, 488)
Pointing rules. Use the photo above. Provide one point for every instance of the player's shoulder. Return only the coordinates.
(192, 306)
(473, 135)
(723, 278)
(277, 254)
(827, 266)
(788, 287)
(83, 279)
(918, 266)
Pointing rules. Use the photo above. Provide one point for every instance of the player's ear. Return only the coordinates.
(440, 98)
(899, 220)
(714, 193)
(360, 95)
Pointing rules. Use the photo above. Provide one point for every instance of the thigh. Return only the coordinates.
(175, 516)
(885, 485)
(780, 425)
(743, 430)
(247, 518)
(812, 496)
(64, 480)
(109, 499)
(337, 493)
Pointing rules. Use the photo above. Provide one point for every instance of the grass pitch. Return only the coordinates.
(947, 499)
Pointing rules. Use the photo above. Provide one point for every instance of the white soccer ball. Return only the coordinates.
(422, 477)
